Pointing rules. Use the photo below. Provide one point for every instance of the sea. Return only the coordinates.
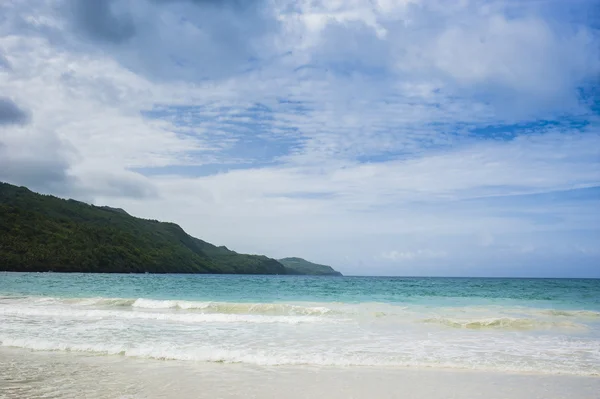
(539, 326)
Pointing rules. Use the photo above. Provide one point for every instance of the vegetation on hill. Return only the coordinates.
(40, 233)
(301, 266)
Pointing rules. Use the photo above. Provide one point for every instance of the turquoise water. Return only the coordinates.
(541, 292)
(539, 325)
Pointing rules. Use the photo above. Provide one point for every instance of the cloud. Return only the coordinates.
(177, 40)
(516, 59)
(117, 183)
(100, 21)
(352, 47)
(498, 52)
(11, 113)
(399, 256)
(42, 161)
(39, 161)
(4, 63)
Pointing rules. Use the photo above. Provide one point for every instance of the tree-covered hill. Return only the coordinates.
(46, 233)
(301, 266)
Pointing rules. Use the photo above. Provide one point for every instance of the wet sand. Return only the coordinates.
(29, 374)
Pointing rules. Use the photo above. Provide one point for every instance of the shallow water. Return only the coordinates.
(33, 375)
(543, 326)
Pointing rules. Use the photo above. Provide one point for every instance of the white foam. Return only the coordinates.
(281, 358)
(232, 307)
(358, 310)
(74, 313)
(335, 334)
(155, 304)
(504, 323)
(571, 313)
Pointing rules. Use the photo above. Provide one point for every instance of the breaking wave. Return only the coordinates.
(571, 313)
(270, 358)
(232, 307)
(272, 309)
(518, 318)
(503, 323)
(177, 317)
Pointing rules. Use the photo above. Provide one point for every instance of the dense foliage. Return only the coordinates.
(45, 233)
(301, 266)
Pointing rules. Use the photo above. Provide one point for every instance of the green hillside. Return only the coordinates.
(301, 266)
(45, 233)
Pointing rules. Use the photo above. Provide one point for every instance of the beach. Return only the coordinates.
(27, 374)
(359, 199)
(162, 336)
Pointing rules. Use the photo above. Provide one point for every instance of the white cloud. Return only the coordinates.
(399, 256)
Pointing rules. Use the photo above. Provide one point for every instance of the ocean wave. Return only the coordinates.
(266, 358)
(275, 309)
(571, 313)
(116, 302)
(233, 307)
(503, 323)
(177, 317)
(45, 300)
(472, 317)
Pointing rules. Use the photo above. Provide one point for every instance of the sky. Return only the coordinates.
(382, 137)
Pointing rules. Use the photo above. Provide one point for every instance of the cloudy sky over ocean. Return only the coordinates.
(426, 137)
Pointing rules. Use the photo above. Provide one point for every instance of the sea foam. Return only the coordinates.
(512, 337)
(282, 358)
(504, 323)
(70, 313)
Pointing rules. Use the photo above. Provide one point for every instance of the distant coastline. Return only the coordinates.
(43, 233)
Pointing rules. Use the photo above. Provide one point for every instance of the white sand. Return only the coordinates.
(25, 374)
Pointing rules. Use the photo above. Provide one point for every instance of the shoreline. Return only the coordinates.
(28, 373)
(109, 356)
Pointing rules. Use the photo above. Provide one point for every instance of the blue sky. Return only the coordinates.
(385, 137)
